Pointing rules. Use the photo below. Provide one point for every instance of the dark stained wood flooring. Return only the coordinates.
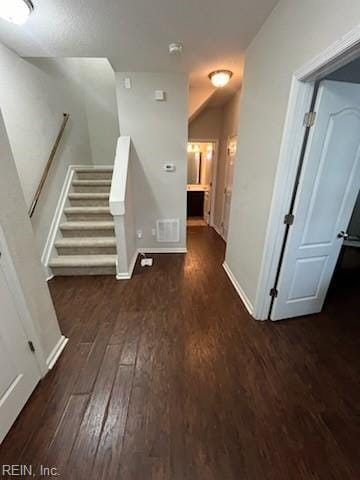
(167, 377)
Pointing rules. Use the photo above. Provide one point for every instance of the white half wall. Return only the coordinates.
(293, 34)
(158, 130)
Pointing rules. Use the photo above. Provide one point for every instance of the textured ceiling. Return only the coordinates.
(134, 34)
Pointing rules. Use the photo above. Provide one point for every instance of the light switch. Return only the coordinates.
(127, 82)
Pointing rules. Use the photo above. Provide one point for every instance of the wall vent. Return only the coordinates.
(168, 230)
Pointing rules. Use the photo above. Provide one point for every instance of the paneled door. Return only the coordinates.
(329, 185)
(19, 371)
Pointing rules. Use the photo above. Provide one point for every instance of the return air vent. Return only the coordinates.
(168, 230)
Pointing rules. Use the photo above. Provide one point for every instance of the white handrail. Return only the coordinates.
(120, 174)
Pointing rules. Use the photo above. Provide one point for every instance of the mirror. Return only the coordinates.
(194, 168)
(199, 159)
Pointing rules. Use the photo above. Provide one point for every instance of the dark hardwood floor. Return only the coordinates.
(167, 377)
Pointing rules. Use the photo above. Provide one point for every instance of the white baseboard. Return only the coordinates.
(163, 250)
(56, 352)
(128, 275)
(239, 290)
(139, 251)
(54, 227)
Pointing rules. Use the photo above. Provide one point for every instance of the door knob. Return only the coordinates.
(343, 234)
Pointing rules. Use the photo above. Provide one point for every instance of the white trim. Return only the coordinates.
(56, 352)
(245, 300)
(339, 53)
(20, 302)
(163, 250)
(128, 275)
(216, 142)
(50, 278)
(54, 227)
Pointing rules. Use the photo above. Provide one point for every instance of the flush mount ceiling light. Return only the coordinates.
(16, 11)
(220, 78)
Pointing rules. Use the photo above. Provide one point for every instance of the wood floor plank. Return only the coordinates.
(108, 455)
(84, 451)
(36, 450)
(63, 441)
(90, 370)
(177, 382)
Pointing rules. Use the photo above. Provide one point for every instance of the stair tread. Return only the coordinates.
(83, 261)
(86, 242)
(94, 170)
(91, 182)
(83, 225)
(87, 209)
(94, 195)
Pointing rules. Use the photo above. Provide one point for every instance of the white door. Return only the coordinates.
(229, 179)
(327, 193)
(19, 372)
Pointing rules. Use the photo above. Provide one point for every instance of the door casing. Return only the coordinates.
(301, 92)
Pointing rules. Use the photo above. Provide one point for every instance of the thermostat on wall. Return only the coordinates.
(169, 167)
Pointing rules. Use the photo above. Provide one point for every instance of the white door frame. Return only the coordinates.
(225, 179)
(215, 141)
(20, 304)
(302, 87)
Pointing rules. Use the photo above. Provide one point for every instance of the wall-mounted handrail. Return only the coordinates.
(48, 165)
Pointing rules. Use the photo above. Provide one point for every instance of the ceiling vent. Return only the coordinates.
(168, 230)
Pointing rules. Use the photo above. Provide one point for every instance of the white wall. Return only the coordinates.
(158, 131)
(207, 125)
(34, 93)
(98, 83)
(21, 242)
(294, 33)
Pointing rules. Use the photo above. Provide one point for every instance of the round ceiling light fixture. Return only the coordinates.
(16, 11)
(220, 78)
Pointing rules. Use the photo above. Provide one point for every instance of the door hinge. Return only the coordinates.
(289, 219)
(309, 119)
(273, 293)
(31, 346)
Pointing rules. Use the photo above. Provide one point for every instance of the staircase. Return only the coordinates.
(85, 242)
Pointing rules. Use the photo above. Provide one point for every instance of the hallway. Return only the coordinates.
(167, 377)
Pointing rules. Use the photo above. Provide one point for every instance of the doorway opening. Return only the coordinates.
(319, 262)
(201, 158)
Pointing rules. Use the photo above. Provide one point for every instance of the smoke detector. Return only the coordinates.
(175, 48)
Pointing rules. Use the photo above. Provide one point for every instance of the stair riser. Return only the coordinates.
(91, 188)
(86, 250)
(67, 271)
(88, 233)
(94, 175)
(89, 202)
(88, 217)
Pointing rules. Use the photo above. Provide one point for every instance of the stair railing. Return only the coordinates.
(48, 165)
